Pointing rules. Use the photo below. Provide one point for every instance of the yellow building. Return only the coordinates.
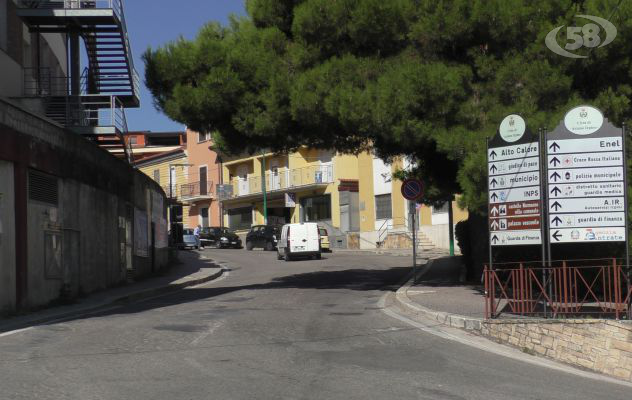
(354, 197)
(169, 170)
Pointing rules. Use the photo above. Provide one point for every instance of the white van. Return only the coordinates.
(299, 240)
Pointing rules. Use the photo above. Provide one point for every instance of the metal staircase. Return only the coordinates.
(110, 82)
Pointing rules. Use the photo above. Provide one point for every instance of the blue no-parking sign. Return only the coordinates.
(412, 189)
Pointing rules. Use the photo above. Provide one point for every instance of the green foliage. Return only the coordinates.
(426, 79)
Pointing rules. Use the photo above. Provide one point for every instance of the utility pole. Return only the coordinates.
(263, 188)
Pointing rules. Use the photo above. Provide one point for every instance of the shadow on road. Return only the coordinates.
(350, 279)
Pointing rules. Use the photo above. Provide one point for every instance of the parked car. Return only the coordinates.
(299, 240)
(263, 236)
(218, 237)
(188, 240)
(324, 240)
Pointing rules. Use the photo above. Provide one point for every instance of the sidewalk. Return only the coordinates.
(193, 269)
(440, 287)
(422, 255)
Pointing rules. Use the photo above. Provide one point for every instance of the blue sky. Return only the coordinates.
(156, 22)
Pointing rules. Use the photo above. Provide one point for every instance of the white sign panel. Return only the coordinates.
(512, 128)
(587, 205)
(514, 166)
(595, 189)
(584, 145)
(586, 175)
(584, 220)
(570, 235)
(518, 151)
(585, 160)
(583, 120)
(508, 238)
(514, 194)
(516, 180)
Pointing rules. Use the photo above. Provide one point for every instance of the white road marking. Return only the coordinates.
(9, 333)
(211, 328)
(420, 291)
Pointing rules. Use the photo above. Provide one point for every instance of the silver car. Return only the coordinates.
(189, 240)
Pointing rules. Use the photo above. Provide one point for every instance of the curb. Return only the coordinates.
(128, 298)
(452, 320)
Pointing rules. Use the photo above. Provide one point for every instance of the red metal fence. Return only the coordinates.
(559, 291)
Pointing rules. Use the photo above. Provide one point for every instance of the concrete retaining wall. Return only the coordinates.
(598, 345)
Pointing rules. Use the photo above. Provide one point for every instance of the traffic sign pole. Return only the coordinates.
(543, 221)
(627, 226)
(412, 189)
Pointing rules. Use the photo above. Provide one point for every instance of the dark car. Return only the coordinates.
(263, 236)
(219, 238)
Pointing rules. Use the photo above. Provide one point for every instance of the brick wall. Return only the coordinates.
(599, 345)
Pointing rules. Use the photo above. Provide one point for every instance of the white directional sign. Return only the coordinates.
(585, 179)
(514, 166)
(581, 190)
(571, 235)
(508, 238)
(514, 180)
(514, 194)
(584, 145)
(586, 205)
(603, 174)
(518, 151)
(587, 220)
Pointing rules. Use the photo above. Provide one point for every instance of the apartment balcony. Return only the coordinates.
(318, 176)
(101, 24)
(196, 191)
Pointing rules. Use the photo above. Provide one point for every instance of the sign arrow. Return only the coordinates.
(494, 182)
(555, 191)
(556, 206)
(554, 146)
(494, 239)
(557, 221)
(557, 236)
(493, 168)
(494, 211)
(493, 154)
(554, 161)
(494, 224)
(494, 196)
(555, 176)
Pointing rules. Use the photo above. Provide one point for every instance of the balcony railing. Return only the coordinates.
(40, 82)
(115, 5)
(200, 189)
(88, 111)
(284, 180)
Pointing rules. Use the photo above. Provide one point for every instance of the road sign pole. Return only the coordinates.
(489, 236)
(627, 226)
(545, 212)
(543, 201)
(414, 220)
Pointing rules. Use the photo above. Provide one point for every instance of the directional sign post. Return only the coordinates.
(586, 179)
(514, 185)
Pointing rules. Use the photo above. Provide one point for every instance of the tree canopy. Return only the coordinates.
(427, 79)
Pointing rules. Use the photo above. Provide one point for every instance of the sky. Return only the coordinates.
(156, 22)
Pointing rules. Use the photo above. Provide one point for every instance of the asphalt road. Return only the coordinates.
(271, 330)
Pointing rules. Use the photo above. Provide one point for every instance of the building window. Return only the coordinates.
(204, 219)
(204, 136)
(316, 208)
(440, 209)
(157, 176)
(383, 209)
(240, 218)
(133, 140)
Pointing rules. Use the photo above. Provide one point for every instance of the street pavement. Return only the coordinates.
(270, 329)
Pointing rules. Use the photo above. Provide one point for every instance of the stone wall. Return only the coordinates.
(599, 345)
